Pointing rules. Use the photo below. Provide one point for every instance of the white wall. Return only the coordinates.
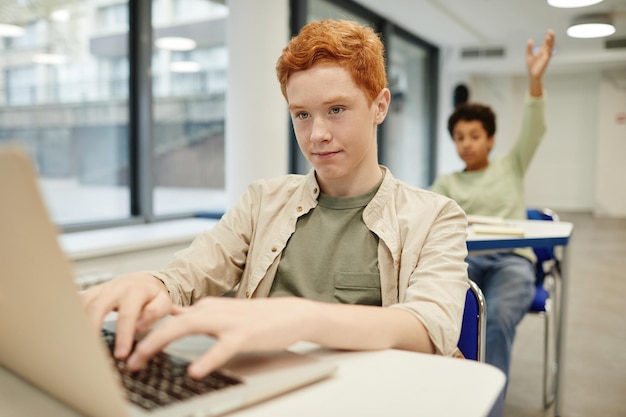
(257, 137)
(610, 187)
(563, 173)
(579, 166)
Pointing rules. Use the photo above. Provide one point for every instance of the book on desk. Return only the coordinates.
(491, 225)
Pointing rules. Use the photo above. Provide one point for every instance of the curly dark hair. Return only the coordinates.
(473, 111)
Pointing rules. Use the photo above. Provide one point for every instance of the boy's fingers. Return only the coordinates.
(212, 359)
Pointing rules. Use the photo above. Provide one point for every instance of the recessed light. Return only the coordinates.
(10, 31)
(175, 43)
(591, 26)
(572, 3)
(61, 15)
(184, 66)
(51, 59)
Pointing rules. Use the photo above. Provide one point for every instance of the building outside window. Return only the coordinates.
(64, 98)
(189, 64)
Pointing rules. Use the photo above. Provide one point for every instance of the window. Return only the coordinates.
(189, 64)
(58, 107)
(71, 95)
(21, 88)
(113, 18)
(35, 32)
(409, 134)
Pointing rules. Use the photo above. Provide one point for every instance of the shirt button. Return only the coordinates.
(299, 209)
(247, 294)
(274, 249)
(315, 190)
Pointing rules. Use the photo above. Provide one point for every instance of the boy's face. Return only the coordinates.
(472, 144)
(336, 127)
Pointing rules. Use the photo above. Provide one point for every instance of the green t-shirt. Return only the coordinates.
(332, 256)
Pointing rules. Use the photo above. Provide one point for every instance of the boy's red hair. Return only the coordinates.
(350, 45)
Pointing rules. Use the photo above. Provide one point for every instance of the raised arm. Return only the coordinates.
(536, 63)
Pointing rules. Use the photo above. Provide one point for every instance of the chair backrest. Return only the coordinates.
(547, 253)
(472, 339)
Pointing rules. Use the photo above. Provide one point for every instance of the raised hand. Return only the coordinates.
(536, 63)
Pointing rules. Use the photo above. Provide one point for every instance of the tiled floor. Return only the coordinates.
(594, 372)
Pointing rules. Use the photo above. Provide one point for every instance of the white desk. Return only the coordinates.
(538, 233)
(380, 383)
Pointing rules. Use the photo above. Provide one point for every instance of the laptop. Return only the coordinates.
(48, 340)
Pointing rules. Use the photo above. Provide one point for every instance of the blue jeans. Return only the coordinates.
(508, 283)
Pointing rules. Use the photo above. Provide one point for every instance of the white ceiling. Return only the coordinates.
(455, 24)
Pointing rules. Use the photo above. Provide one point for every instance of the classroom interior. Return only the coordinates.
(578, 170)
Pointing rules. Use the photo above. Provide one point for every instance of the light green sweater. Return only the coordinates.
(498, 189)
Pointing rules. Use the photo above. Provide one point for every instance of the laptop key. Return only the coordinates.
(164, 380)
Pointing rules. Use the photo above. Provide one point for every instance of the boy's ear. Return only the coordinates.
(382, 105)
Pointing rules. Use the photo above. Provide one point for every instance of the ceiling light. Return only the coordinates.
(61, 15)
(572, 3)
(184, 66)
(10, 31)
(591, 26)
(52, 59)
(175, 44)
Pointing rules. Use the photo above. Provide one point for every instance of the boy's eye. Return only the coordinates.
(335, 110)
(302, 116)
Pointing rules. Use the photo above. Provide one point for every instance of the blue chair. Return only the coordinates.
(545, 303)
(472, 339)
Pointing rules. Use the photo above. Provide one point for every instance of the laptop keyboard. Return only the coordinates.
(164, 380)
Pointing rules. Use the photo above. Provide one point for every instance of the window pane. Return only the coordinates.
(63, 98)
(326, 9)
(407, 144)
(189, 65)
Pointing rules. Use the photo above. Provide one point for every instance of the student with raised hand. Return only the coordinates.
(496, 188)
(346, 256)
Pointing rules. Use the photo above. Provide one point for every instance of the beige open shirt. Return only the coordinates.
(421, 250)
